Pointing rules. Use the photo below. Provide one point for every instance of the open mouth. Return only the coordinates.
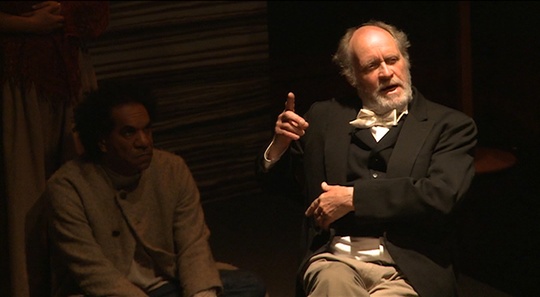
(389, 88)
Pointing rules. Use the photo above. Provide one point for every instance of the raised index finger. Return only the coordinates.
(289, 105)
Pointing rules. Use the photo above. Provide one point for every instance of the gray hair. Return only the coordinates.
(347, 61)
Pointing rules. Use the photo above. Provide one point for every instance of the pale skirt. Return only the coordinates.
(37, 139)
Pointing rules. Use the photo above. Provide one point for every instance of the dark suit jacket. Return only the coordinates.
(427, 175)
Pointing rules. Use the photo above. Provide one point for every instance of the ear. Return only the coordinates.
(102, 146)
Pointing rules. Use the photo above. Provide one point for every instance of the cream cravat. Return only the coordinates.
(367, 119)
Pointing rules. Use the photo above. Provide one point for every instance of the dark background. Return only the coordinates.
(222, 69)
(500, 223)
(219, 98)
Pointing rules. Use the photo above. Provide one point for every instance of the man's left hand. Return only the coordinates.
(335, 202)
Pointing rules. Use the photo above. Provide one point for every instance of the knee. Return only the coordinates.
(335, 273)
(330, 277)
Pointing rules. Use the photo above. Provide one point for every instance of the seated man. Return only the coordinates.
(125, 218)
(383, 175)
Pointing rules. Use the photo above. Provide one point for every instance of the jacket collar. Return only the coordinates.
(411, 139)
(415, 129)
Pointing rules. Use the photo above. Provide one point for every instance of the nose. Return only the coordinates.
(144, 139)
(384, 71)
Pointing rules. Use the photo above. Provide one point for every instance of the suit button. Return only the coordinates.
(375, 175)
(115, 233)
(123, 195)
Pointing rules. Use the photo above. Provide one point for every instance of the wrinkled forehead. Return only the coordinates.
(371, 39)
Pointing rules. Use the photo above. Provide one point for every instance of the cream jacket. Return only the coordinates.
(94, 228)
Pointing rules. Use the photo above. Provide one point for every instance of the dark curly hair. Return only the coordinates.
(92, 116)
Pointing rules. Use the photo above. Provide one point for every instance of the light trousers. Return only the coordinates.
(340, 276)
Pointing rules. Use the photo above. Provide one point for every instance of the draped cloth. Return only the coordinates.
(50, 61)
(43, 77)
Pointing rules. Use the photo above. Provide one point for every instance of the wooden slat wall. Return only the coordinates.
(207, 62)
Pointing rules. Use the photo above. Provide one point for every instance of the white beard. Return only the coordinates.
(381, 104)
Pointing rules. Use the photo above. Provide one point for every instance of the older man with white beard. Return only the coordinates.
(381, 175)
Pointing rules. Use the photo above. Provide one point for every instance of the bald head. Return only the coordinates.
(370, 45)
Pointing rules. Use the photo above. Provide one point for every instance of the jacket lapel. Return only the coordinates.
(413, 135)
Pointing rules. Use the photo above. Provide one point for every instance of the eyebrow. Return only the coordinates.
(149, 125)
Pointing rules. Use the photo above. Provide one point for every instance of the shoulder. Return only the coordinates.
(163, 156)
(335, 104)
(164, 159)
(332, 108)
(167, 163)
(74, 170)
(425, 108)
(169, 171)
(449, 116)
(73, 179)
